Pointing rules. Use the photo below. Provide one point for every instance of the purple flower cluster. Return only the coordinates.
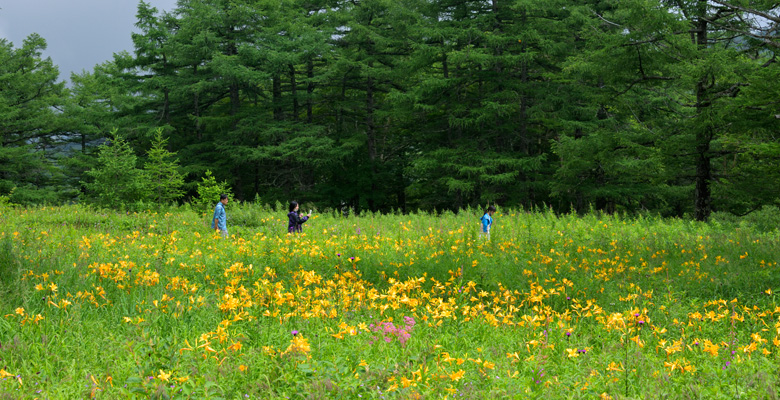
(541, 375)
(388, 331)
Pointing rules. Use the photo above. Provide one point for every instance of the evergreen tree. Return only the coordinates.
(209, 191)
(294, 150)
(116, 180)
(671, 75)
(154, 63)
(668, 106)
(97, 101)
(483, 103)
(162, 170)
(372, 41)
(609, 157)
(749, 177)
(29, 127)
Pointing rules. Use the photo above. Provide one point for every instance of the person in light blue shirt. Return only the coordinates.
(487, 221)
(219, 221)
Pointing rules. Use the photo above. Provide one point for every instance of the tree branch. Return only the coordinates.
(766, 39)
(755, 208)
(605, 20)
(732, 91)
(747, 10)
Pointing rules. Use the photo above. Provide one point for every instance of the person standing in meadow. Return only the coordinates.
(487, 221)
(219, 221)
(295, 221)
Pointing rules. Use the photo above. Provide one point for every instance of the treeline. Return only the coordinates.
(666, 106)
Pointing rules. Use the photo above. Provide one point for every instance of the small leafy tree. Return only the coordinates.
(208, 192)
(116, 181)
(165, 181)
(5, 200)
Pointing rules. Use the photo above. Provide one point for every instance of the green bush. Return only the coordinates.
(764, 220)
(165, 181)
(209, 191)
(116, 181)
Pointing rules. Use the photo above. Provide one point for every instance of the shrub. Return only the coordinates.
(208, 193)
(116, 181)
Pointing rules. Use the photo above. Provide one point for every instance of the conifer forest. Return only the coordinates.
(663, 106)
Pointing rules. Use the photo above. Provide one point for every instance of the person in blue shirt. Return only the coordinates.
(219, 221)
(487, 221)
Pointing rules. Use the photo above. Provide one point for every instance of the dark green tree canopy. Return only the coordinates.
(662, 106)
(30, 127)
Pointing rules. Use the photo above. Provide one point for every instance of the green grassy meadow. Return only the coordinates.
(153, 305)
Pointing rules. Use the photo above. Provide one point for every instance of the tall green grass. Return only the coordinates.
(662, 269)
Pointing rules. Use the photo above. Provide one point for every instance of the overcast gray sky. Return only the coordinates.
(79, 33)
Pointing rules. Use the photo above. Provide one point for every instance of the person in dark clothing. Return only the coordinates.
(295, 221)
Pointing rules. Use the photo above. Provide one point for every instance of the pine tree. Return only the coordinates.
(116, 181)
(29, 127)
(209, 191)
(162, 170)
(485, 103)
(667, 79)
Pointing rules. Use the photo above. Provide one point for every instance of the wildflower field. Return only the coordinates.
(108, 305)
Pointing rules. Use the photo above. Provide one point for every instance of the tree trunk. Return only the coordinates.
(294, 92)
(371, 136)
(277, 98)
(445, 67)
(524, 139)
(702, 193)
(309, 91)
(235, 103)
(196, 106)
(166, 106)
(339, 105)
(167, 101)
